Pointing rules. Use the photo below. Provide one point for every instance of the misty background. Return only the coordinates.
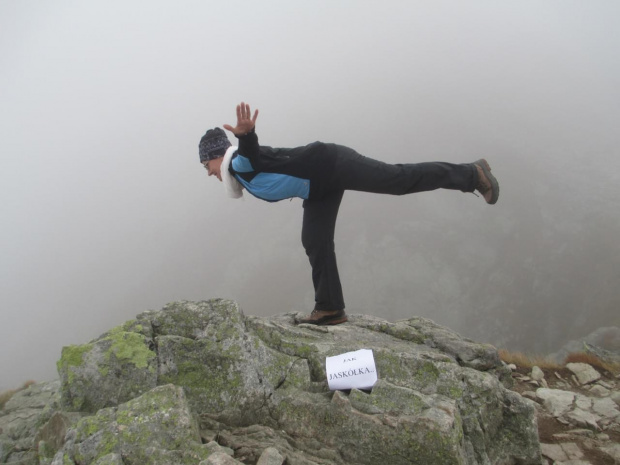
(106, 211)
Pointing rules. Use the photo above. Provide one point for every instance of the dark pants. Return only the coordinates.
(353, 171)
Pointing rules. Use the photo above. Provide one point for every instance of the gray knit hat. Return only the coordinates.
(213, 145)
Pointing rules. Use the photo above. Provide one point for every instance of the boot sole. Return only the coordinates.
(325, 322)
(486, 169)
(336, 321)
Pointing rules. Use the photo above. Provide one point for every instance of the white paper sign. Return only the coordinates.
(351, 370)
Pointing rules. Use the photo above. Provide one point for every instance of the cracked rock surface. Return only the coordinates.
(200, 382)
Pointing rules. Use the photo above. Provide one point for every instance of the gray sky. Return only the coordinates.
(106, 211)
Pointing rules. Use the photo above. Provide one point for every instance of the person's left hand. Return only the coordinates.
(245, 123)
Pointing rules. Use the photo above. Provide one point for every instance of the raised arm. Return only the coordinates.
(245, 122)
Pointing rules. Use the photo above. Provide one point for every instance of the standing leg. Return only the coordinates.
(317, 237)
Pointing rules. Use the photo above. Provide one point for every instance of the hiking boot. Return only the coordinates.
(324, 317)
(487, 184)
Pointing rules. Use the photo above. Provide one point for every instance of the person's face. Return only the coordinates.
(214, 167)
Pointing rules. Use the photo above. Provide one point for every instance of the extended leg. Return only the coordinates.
(357, 172)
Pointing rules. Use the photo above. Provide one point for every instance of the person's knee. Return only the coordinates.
(314, 244)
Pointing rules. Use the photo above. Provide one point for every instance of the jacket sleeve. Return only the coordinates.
(248, 145)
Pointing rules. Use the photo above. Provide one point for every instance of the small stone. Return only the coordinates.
(213, 447)
(512, 367)
(572, 451)
(572, 434)
(606, 407)
(553, 452)
(534, 383)
(556, 402)
(270, 456)
(110, 459)
(557, 375)
(583, 402)
(544, 383)
(615, 396)
(605, 384)
(585, 373)
(537, 374)
(529, 395)
(612, 451)
(219, 458)
(602, 437)
(581, 432)
(583, 418)
(599, 391)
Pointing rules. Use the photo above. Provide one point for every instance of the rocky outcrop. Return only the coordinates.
(200, 383)
(604, 343)
(578, 413)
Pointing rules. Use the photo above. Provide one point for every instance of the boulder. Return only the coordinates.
(585, 373)
(155, 428)
(603, 342)
(261, 382)
(22, 417)
(115, 368)
(270, 456)
(556, 401)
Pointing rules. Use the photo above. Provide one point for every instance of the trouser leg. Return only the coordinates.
(317, 236)
(356, 172)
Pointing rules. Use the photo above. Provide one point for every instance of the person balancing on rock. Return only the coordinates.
(320, 173)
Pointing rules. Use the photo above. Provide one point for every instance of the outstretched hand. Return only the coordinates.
(245, 123)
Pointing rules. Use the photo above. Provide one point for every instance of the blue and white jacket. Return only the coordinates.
(274, 174)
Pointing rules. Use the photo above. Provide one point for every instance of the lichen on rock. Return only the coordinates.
(150, 429)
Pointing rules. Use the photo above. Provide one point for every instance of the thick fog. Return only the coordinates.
(106, 211)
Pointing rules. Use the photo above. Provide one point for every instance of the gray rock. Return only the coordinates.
(615, 396)
(537, 374)
(556, 401)
(603, 342)
(51, 436)
(214, 447)
(562, 452)
(271, 456)
(606, 407)
(440, 398)
(147, 430)
(605, 384)
(599, 391)
(20, 420)
(572, 451)
(613, 451)
(220, 458)
(583, 402)
(585, 373)
(581, 417)
(110, 459)
(116, 367)
(553, 452)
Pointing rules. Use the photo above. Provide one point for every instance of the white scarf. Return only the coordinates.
(233, 188)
